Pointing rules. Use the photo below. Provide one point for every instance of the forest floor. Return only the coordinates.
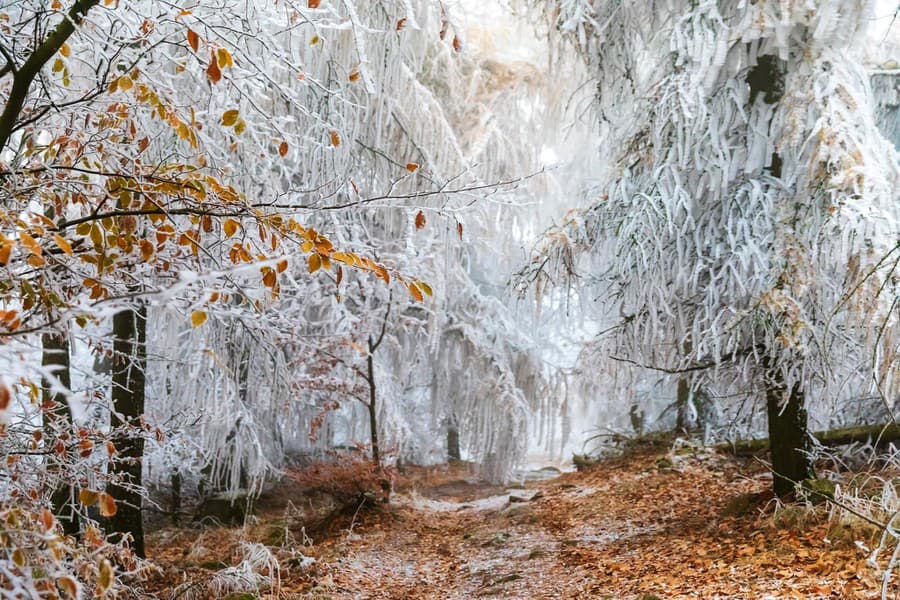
(649, 525)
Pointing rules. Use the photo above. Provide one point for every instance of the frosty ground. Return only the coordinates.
(656, 524)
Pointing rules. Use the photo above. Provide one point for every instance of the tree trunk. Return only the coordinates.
(453, 452)
(789, 439)
(682, 406)
(130, 355)
(879, 435)
(373, 414)
(57, 418)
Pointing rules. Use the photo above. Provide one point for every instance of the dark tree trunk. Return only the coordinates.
(130, 356)
(789, 438)
(788, 434)
(453, 453)
(57, 418)
(682, 406)
(373, 413)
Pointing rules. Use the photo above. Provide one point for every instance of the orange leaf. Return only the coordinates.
(459, 230)
(416, 292)
(146, 250)
(412, 167)
(193, 39)
(313, 3)
(212, 71)
(353, 76)
(401, 24)
(340, 275)
(457, 44)
(269, 278)
(420, 220)
(46, 519)
(107, 505)
(230, 226)
(283, 148)
(63, 244)
(335, 138)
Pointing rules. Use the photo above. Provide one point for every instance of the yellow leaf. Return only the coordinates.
(230, 117)
(65, 50)
(107, 505)
(415, 292)
(63, 244)
(315, 262)
(58, 65)
(424, 287)
(306, 246)
(18, 557)
(198, 318)
(124, 83)
(224, 58)
(314, 40)
(240, 126)
(105, 579)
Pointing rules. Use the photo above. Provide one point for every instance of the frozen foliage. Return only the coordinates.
(746, 223)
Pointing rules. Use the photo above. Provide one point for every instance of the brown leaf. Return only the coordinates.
(107, 505)
(283, 148)
(193, 39)
(213, 71)
(420, 220)
(459, 230)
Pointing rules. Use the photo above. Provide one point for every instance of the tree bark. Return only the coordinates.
(57, 418)
(24, 76)
(130, 355)
(373, 414)
(882, 433)
(453, 451)
(789, 440)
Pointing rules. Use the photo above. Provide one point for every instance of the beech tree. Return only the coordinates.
(747, 235)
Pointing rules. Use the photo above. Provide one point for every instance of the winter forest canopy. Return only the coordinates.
(238, 237)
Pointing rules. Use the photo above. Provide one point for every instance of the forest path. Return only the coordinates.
(650, 526)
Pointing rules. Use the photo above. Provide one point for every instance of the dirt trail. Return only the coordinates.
(651, 526)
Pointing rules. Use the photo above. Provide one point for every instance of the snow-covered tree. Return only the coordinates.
(748, 234)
